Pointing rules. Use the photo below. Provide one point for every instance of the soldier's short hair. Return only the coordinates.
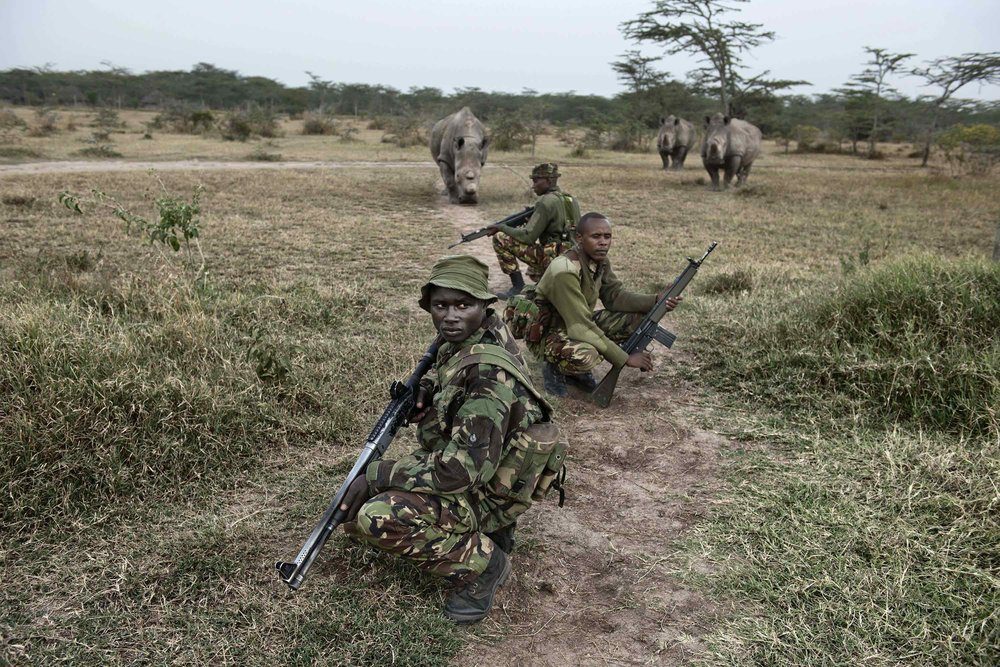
(586, 217)
(545, 170)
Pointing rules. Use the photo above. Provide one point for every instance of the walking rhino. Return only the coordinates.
(677, 137)
(733, 145)
(458, 145)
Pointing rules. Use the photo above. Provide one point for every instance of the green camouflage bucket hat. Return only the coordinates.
(546, 170)
(461, 272)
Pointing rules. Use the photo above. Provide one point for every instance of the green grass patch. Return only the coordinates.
(913, 341)
(864, 528)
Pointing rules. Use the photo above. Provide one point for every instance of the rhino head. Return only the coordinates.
(470, 156)
(716, 137)
(668, 128)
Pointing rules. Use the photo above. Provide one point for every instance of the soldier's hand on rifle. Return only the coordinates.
(356, 496)
(641, 360)
(492, 231)
(671, 302)
(421, 406)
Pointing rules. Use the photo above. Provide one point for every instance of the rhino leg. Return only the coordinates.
(741, 178)
(713, 173)
(665, 156)
(679, 156)
(448, 176)
(732, 169)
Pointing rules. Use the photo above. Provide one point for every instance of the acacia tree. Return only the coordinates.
(950, 74)
(701, 28)
(872, 86)
(636, 72)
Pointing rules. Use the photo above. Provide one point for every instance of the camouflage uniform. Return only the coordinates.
(546, 234)
(436, 507)
(576, 338)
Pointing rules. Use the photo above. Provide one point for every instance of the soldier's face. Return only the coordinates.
(540, 185)
(594, 238)
(456, 314)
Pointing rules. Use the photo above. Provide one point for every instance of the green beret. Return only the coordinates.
(546, 170)
(462, 272)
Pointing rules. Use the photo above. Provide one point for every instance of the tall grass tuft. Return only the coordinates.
(914, 341)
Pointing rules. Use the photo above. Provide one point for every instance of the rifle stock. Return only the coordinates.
(648, 330)
(393, 417)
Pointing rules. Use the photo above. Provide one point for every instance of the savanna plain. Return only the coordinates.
(809, 477)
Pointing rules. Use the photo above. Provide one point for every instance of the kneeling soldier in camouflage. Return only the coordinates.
(576, 338)
(487, 450)
(544, 237)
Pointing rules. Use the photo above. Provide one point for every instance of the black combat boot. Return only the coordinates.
(584, 382)
(472, 602)
(504, 538)
(516, 285)
(555, 382)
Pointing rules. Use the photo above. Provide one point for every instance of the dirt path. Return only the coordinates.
(592, 582)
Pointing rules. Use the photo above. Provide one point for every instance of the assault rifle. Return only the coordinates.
(514, 220)
(649, 330)
(403, 396)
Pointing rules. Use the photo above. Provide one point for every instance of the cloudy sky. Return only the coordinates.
(508, 45)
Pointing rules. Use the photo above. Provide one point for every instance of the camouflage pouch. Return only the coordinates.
(521, 312)
(533, 465)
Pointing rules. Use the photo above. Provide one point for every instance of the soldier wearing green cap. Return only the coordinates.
(447, 506)
(546, 234)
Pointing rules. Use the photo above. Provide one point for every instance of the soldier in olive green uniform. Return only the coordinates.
(450, 506)
(576, 338)
(544, 237)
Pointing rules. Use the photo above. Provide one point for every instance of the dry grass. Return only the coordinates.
(180, 572)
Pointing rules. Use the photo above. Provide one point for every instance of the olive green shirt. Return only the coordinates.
(549, 222)
(573, 291)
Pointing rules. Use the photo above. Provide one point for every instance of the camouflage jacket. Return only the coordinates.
(554, 219)
(463, 435)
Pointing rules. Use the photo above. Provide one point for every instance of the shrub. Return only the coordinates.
(18, 200)
(318, 123)
(405, 131)
(379, 123)
(508, 133)
(45, 123)
(972, 150)
(631, 137)
(728, 282)
(913, 342)
(11, 121)
(181, 119)
(260, 154)
(107, 119)
(241, 125)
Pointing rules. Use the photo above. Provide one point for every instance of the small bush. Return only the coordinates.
(107, 119)
(971, 150)
(379, 123)
(580, 151)
(241, 125)
(26, 201)
(805, 136)
(405, 131)
(348, 134)
(46, 124)
(317, 123)
(181, 119)
(260, 154)
(508, 133)
(18, 152)
(730, 282)
(11, 121)
(236, 127)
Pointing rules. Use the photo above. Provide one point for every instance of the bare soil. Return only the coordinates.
(593, 582)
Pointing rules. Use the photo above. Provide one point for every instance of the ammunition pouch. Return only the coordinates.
(527, 316)
(532, 465)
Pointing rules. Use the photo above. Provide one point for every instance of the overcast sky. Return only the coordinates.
(504, 45)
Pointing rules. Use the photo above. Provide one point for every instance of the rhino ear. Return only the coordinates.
(460, 141)
(486, 142)
(677, 121)
(662, 120)
(726, 119)
(708, 119)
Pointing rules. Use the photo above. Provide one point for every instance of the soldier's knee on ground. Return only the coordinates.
(577, 358)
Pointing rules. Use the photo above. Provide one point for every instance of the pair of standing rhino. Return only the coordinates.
(459, 145)
(729, 144)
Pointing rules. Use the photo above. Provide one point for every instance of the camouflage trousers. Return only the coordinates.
(535, 256)
(439, 534)
(574, 357)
